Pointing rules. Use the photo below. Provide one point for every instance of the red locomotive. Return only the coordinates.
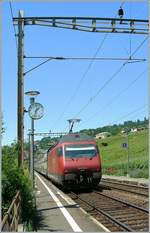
(73, 162)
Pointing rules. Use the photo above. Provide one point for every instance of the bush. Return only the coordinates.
(14, 179)
(27, 197)
(137, 169)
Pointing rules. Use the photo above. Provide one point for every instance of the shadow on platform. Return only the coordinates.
(39, 223)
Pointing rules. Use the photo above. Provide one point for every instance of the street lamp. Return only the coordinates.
(35, 111)
(32, 93)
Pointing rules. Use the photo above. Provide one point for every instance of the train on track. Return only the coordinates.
(73, 162)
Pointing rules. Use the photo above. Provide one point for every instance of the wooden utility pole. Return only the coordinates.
(20, 97)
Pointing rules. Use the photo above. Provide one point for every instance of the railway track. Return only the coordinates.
(132, 188)
(115, 214)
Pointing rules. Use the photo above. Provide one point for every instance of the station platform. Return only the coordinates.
(55, 211)
(125, 179)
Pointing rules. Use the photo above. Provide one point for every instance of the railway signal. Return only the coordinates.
(124, 145)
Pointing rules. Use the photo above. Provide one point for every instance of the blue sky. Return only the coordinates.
(58, 80)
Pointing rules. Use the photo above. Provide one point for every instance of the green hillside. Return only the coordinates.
(115, 157)
(116, 129)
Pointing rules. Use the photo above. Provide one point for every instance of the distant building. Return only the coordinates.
(123, 131)
(134, 130)
(140, 129)
(103, 135)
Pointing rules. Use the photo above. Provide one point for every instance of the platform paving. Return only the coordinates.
(55, 211)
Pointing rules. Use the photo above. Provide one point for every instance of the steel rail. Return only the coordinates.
(124, 226)
(123, 202)
(123, 188)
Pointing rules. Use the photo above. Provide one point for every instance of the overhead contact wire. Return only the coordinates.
(84, 75)
(99, 91)
(109, 80)
(115, 97)
(106, 35)
(130, 113)
(81, 80)
(15, 33)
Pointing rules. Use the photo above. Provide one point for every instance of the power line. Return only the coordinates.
(86, 58)
(37, 66)
(100, 90)
(75, 93)
(130, 39)
(82, 78)
(130, 113)
(130, 34)
(91, 99)
(15, 33)
(122, 4)
(84, 75)
(108, 81)
(140, 45)
(115, 97)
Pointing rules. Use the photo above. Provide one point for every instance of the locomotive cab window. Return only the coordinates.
(78, 151)
(59, 151)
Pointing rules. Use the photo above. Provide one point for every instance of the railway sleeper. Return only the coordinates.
(137, 217)
(112, 226)
(108, 210)
(137, 226)
(123, 212)
(114, 207)
(108, 222)
(132, 220)
(127, 213)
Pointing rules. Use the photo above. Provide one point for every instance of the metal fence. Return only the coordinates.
(13, 215)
